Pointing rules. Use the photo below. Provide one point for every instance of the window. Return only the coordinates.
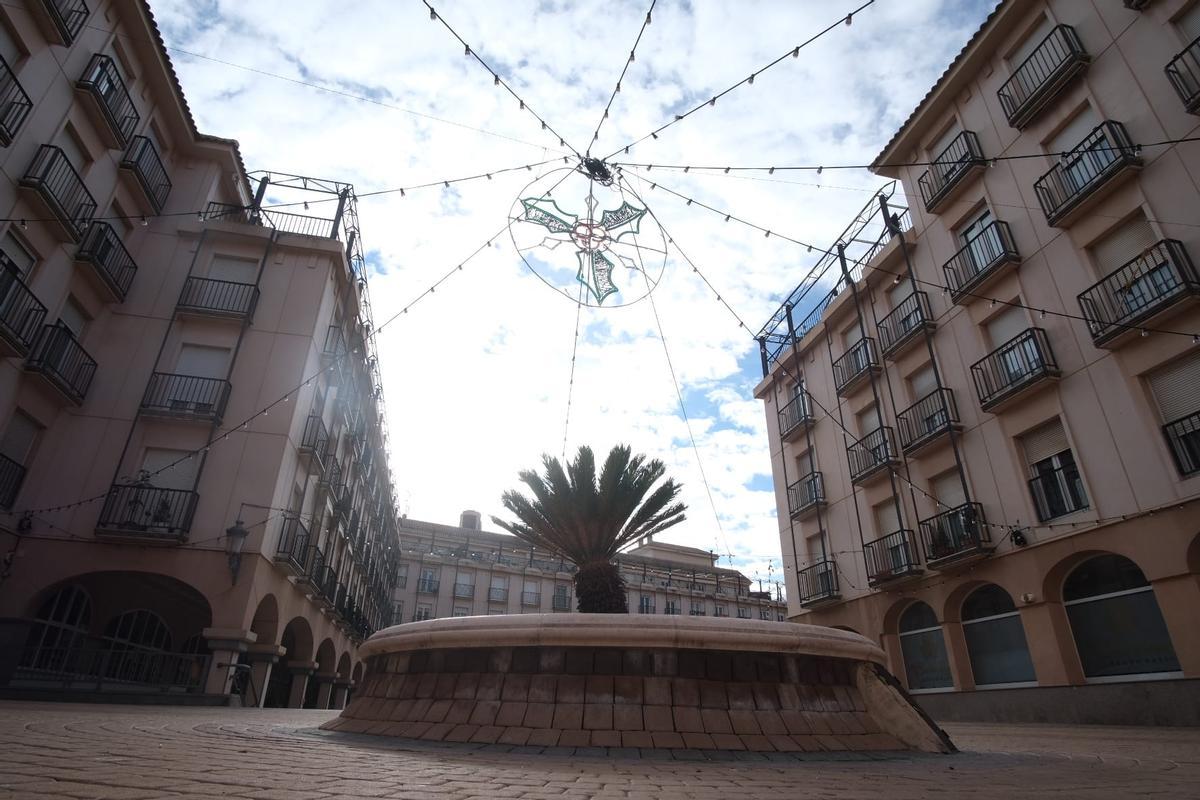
(1080, 167)
(1054, 479)
(424, 611)
(461, 611)
(9, 48)
(697, 608)
(944, 166)
(464, 584)
(1176, 390)
(1019, 359)
(430, 578)
(980, 249)
(921, 383)
(19, 438)
(995, 638)
(858, 360)
(868, 420)
(401, 576)
(721, 611)
(924, 649)
(1030, 43)
(138, 629)
(203, 361)
(887, 522)
(646, 604)
(948, 489)
(74, 317)
(672, 606)
(73, 148)
(17, 256)
(764, 613)
(62, 625)
(743, 613)
(1115, 620)
(780, 618)
(169, 469)
(233, 268)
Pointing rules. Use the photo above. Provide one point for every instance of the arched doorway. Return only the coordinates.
(924, 649)
(297, 641)
(1115, 619)
(314, 697)
(995, 638)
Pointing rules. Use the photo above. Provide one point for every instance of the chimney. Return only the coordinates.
(469, 520)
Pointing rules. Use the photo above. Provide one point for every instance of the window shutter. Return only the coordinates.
(852, 335)
(1189, 23)
(1031, 43)
(202, 361)
(232, 268)
(1006, 325)
(947, 488)
(868, 421)
(886, 519)
(939, 145)
(1075, 131)
(1044, 441)
(17, 252)
(1124, 244)
(19, 437)
(900, 292)
(179, 476)
(1176, 387)
(922, 382)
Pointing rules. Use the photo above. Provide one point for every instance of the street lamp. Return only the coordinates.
(235, 537)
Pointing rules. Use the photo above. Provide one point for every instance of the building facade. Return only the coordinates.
(986, 435)
(192, 462)
(460, 571)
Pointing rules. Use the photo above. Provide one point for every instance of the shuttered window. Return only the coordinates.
(232, 268)
(1007, 324)
(886, 519)
(852, 335)
(947, 488)
(1127, 242)
(1176, 387)
(202, 361)
(900, 292)
(1044, 442)
(173, 476)
(18, 255)
(1189, 23)
(922, 382)
(1031, 43)
(19, 437)
(1075, 131)
(868, 421)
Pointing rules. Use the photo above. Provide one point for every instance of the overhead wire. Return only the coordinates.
(621, 77)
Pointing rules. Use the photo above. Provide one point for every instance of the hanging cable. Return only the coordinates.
(571, 378)
(621, 78)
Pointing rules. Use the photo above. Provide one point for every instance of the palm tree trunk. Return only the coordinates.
(600, 589)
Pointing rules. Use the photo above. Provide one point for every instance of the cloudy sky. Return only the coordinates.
(477, 374)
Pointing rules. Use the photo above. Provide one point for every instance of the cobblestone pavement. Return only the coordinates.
(100, 751)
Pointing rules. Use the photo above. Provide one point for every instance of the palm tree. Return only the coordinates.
(589, 522)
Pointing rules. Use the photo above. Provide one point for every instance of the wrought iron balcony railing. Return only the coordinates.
(873, 453)
(647, 608)
(314, 562)
(956, 534)
(531, 598)
(335, 342)
(806, 494)
(1024, 361)
(1183, 437)
(980, 260)
(904, 323)
(293, 545)
(21, 313)
(1184, 73)
(795, 416)
(1038, 78)
(143, 160)
(818, 583)
(325, 582)
(145, 511)
(315, 439)
(464, 590)
(61, 360)
(187, 396)
(60, 188)
(1138, 291)
(1079, 175)
(218, 298)
(892, 557)
(950, 169)
(12, 475)
(66, 18)
(497, 594)
(927, 419)
(102, 82)
(855, 365)
(561, 602)
(1058, 492)
(14, 104)
(428, 586)
(103, 249)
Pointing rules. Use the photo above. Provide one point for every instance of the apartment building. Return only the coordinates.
(192, 471)
(984, 404)
(459, 571)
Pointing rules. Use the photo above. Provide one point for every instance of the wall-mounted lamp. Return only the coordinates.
(235, 537)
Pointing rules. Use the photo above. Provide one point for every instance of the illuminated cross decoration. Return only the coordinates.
(594, 239)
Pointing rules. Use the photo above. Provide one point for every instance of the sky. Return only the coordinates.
(477, 374)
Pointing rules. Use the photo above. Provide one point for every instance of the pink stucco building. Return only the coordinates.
(157, 528)
(985, 422)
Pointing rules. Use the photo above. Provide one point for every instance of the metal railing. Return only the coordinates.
(806, 493)
(335, 342)
(212, 296)
(143, 160)
(227, 211)
(62, 360)
(149, 511)
(933, 414)
(646, 608)
(325, 580)
(1183, 71)
(1047, 69)
(103, 249)
(1020, 362)
(1138, 290)
(100, 664)
(949, 168)
(796, 413)
(60, 187)
(290, 222)
(961, 531)
(854, 363)
(1090, 164)
(904, 322)
(818, 582)
(186, 396)
(531, 598)
(103, 81)
(497, 594)
(21, 313)
(428, 586)
(891, 556)
(976, 260)
(1058, 492)
(12, 475)
(15, 104)
(314, 561)
(872, 452)
(561, 602)
(293, 544)
(315, 439)
(464, 590)
(1183, 437)
(68, 17)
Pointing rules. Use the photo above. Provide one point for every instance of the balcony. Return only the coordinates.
(561, 602)
(314, 442)
(60, 191)
(1087, 174)
(14, 104)
(902, 327)
(1058, 492)
(216, 298)
(111, 263)
(21, 313)
(892, 558)
(293, 546)
(427, 586)
(950, 170)
(955, 537)
(983, 259)
(324, 580)
(63, 362)
(497, 594)
(873, 455)
(1018, 367)
(110, 106)
(143, 162)
(927, 421)
(806, 495)
(314, 562)
(818, 584)
(1039, 78)
(647, 608)
(61, 20)
(1183, 438)
(855, 366)
(185, 396)
(465, 591)
(12, 475)
(1183, 72)
(147, 513)
(531, 598)
(795, 417)
(1140, 292)
(335, 343)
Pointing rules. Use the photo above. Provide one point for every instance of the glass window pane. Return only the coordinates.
(1123, 635)
(925, 661)
(998, 651)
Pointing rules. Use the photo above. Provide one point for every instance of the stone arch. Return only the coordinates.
(951, 610)
(343, 667)
(891, 617)
(266, 620)
(298, 639)
(326, 657)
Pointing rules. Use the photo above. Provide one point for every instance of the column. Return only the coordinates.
(957, 655)
(325, 688)
(341, 691)
(1051, 644)
(225, 644)
(263, 658)
(301, 670)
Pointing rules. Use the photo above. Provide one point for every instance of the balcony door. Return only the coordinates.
(209, 364)
(1084, 158)
(1146, 278)
(980, 248)
(1176, 389)
(1017, 359)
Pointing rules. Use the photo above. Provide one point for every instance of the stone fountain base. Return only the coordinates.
(606, 680)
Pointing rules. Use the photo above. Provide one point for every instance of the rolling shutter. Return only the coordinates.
(1031, 43)
(1075, 131)
(232, 268)
(1124, 244)
(868, 421)
(947, 488)
(1006, 325)
(922, 382)
(886, 519)
(1176, 387)
(1044, 441)
(1189, 23)
(181, 475)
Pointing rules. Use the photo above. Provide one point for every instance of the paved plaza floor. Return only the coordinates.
(104, 751)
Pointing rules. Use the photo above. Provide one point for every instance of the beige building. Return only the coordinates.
(460, 571)
(158, 527)
(986, 435)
